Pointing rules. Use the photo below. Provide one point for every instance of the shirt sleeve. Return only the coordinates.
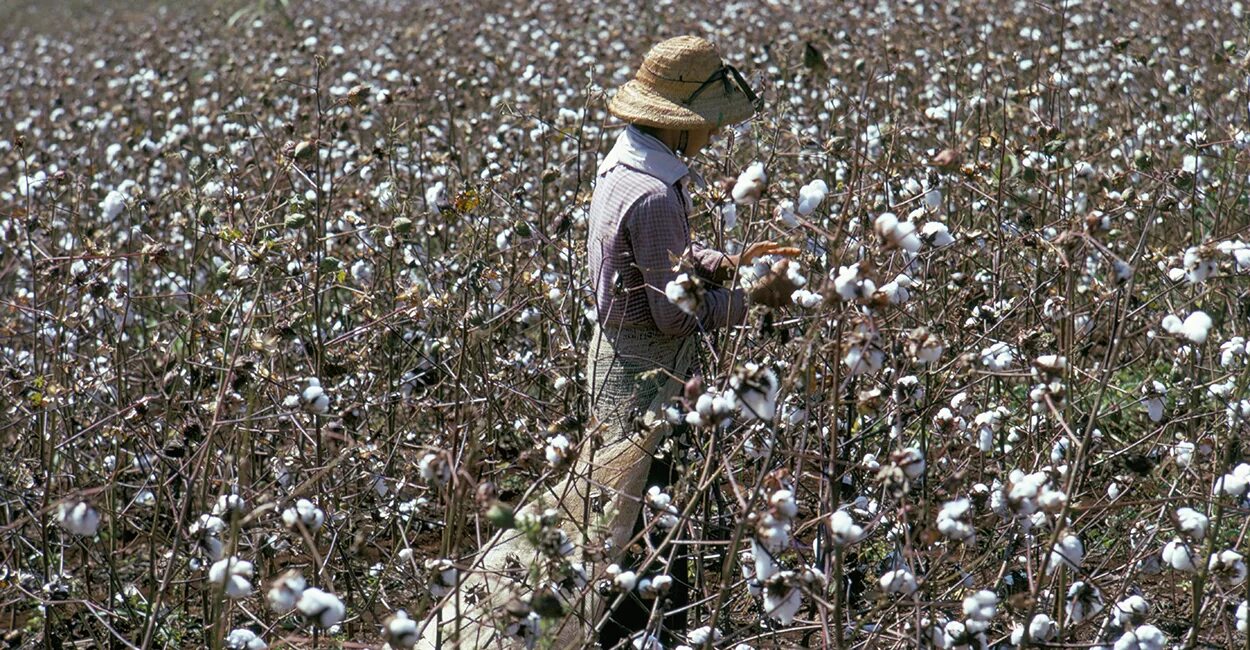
(708, 262)
(658, 235)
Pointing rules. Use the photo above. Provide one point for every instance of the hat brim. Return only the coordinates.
(637, 104)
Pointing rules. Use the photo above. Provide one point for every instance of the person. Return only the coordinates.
(642, 349)
(681, 97)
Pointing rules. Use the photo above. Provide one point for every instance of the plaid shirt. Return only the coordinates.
(639, 229)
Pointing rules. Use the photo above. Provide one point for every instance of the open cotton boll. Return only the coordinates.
(729, 215)
(897, 233)
(898, 581)
(843, 529)
(1178, 555)
(321, 607)
(750, 184)
(782, 600)
(1243, 617)
(401, 631)
(78, 518)
(1084, 601)
(785, 212)
(952, 520)
(1191, 523)
(1143, 637)
(304, 512)
(434, 195)
(285, 592)
(235, 574)
(1196, 326)
(244, 639)
(811, 196)
(1235, 483)
(806, 299)
(1041, 629)
(1228, 567)
(980, 609)
(1068, 552)
(936, 234)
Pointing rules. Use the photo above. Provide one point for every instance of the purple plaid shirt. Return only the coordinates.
(639, 229)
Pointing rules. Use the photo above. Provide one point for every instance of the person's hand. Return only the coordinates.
(760, 249)
(774, 289)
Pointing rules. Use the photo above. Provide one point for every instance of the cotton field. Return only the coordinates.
(295, 316)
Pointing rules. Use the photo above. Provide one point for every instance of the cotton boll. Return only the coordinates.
(321, 607)
(806, 299)
(1178, 555)
(244, 639)
(952, 520)
(434, 196)
(1235, 483)
(284, 592)
(1144, 637)
(1041, 629)
(235, 574)
(729, 215)
(843, 529)
(443, 576)
(980, 609)
(401, 631)
(1228, 567)
(750, 184)
(1130, 611)
(898, 581)
(781, 599)
(1084, 601)
(785, 212)
(304, 512)
(936, 235)
(1243, 617)
(557, 450)
(1069, 552)
(1196, 326)
(811, 196)
(313, 398)
(78, 518)
(1191, 523)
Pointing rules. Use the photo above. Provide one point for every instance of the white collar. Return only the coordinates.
(646, 154)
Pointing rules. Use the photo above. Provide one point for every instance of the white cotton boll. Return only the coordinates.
(952, 520)
(1228, 566)
(750, 184)
(1178, 555)
(699, 637)
(1084, 601)
(112, 205)
(1041, 629)
(998, 356)
(235, 574)
(625, 581)
(313, 398)
(362, 272)
(285, 592)
(782, 601)
(1243, 617)
(304, 512)
(1192, 523)
(321, 607)
(1131, 610)
(899, 581)
(911, 461)
(980, 608)
(645, 641)
(1235, 483)
(434, 195)
(782, 502)
(1144, 637)
(443, 576)
(785, 212)
(432, 468)
(1183, 453)
(933, 199)
(806, 299)
(1196, 326)
(401, 631)
(843, 529)
(936, 234)
(229, 503)
(78, 518)
(679, 292)
(244, 639)
(557, 450)
(1069, 552)
(811, 196)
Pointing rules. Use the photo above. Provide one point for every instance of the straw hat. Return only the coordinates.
(684, 84)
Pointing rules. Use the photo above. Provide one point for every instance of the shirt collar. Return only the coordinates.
(646, 154)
